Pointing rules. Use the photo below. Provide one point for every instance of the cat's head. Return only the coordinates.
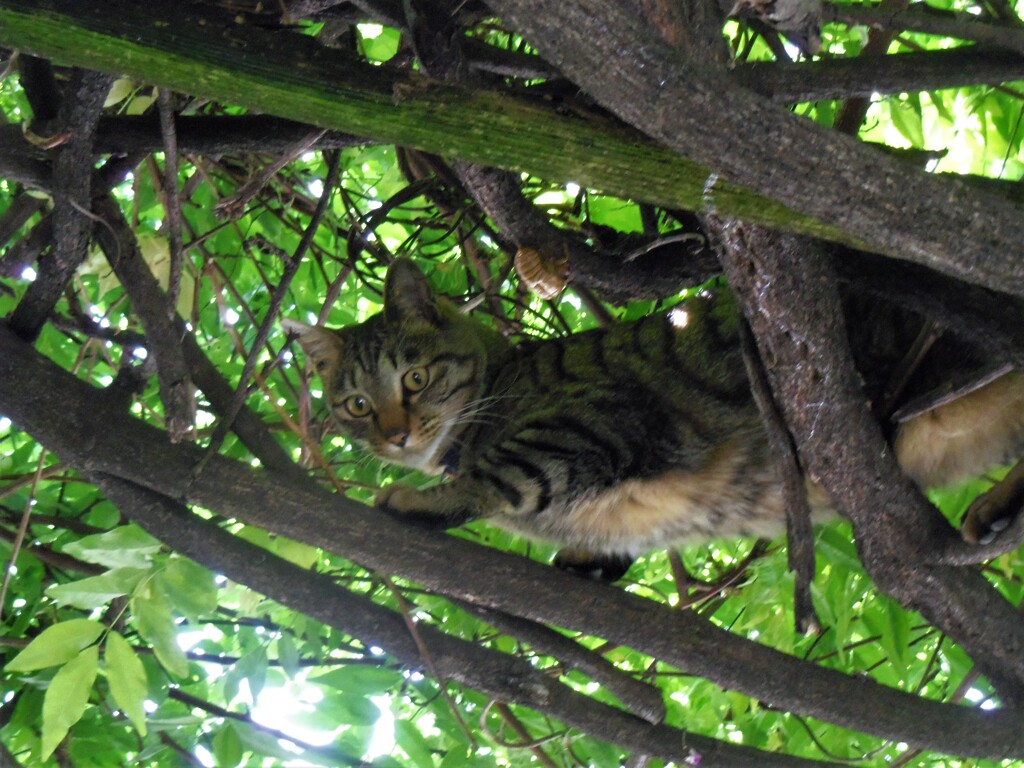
(403, 383)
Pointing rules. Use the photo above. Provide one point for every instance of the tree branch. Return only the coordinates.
(150, 303)
(921, 18)
(936, 222)
(504, 677)
(641, 698)
(843, 78)
(337, 757)
(789, 297)
(989, 321)
(72, 177)
(698, 112)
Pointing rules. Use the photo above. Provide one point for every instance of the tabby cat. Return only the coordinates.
(613, 441)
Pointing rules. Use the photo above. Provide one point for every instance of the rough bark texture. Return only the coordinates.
(693, 109)
(789, 297)
(700, 114)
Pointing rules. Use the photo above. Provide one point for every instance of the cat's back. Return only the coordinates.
(687, 358)
(660, 392)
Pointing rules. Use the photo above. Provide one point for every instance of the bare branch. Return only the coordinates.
(72, 176)
(843, 78)
(698, 112)
(921, 18)
(150, 303)
(505, 677)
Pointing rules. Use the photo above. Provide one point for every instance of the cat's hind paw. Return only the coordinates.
(416, 507)
(594, 566)
(993, 512)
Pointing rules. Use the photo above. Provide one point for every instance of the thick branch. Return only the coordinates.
(215, 135)
(504, 677)
(843, 78)
(699, 114)
(291, 77)
(22, 208)
(790, 300)
(74, 420)
(641, 698)
(921, 18)
(72, 201)
(990, 321)
(660, 273)
(150, 304)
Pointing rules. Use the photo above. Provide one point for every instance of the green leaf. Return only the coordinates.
(56, 645)
(615, 213)
(906, 116)
(127, 679)
(260, 742)
(302, 555)
(360, 679)
(253, 668)
(288, 654)
(96, 591)
(120, 90)
(413, 744)
(189, 587)
(461, 758)
(899, 632)
(383, 46)
(125, 547)
(352, 710)
(151, 616)
(227, 746)
(67, 697)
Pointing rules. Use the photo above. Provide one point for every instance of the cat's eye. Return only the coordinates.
(415, 379)
(357, 406)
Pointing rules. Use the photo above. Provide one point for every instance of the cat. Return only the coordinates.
(610, 442)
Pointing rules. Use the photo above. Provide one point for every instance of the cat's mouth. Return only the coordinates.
(415, 453)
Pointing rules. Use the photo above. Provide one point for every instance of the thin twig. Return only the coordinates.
(406, 608)
(22, 529)
(528, 742)
(172, 202)
(227, 419)
(339, 758)
(799, 537)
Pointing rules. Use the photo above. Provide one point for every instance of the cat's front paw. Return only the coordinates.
(413, 506)
(992, 512)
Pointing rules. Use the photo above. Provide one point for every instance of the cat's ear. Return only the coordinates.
(407, 294)
(323, 346)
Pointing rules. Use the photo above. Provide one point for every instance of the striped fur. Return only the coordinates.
(614, 441)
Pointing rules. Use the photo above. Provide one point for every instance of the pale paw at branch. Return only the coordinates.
(993, 511)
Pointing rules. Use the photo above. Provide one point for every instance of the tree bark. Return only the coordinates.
(697, 111)
(810, 181)
(790, 299)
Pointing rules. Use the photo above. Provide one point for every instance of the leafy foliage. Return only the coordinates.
(118, 650)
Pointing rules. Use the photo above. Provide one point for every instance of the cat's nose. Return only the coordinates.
(397, 436)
